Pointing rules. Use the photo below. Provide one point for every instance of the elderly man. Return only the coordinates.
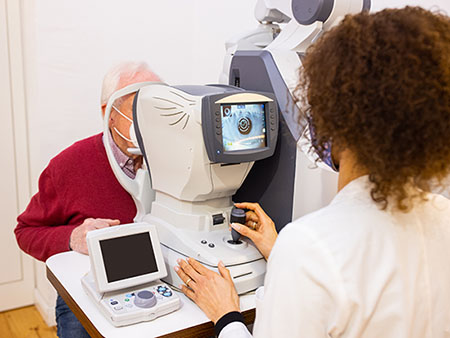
(78, 191)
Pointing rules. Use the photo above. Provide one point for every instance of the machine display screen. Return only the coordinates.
(243, 126)
(128, 256)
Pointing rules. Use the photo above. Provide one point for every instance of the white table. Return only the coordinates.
(65, 270)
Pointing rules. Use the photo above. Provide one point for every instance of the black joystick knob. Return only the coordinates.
(237, 216)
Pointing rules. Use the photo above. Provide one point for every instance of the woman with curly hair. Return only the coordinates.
(376, 261)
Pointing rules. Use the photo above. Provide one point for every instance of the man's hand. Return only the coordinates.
(78, 237)
(263, 234)
(215, 294)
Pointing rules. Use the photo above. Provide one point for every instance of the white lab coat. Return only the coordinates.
(353, 270)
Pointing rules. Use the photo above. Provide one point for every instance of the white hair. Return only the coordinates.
(124, 74)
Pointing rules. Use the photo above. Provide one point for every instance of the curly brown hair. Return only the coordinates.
(378, 85)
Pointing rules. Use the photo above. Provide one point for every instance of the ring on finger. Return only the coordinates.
(188, 281)
(254, 225)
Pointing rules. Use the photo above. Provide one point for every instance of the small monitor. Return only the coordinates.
(239, 126)
(243, 126)
(125, 256)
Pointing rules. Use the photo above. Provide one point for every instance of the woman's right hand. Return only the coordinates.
(264, 233)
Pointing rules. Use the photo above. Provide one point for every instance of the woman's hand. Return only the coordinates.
(263, 234)
(215, 294)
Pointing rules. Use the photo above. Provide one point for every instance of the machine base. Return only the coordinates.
(246, 277)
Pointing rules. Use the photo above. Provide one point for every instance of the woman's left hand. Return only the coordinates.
(215, 294)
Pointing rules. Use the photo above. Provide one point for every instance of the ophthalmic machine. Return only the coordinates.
(207, 146)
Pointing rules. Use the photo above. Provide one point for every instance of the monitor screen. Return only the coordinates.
(243, 126)
(128, 256)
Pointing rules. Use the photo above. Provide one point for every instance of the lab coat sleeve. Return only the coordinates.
(304, 293)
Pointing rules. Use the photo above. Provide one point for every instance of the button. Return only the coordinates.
(271, 110)
(127, 299)
(118, 307)
(218, 219)
(114, 302)
(217, 113)
(145, 299)
(272, 116)
(145, 294)
(273, 129)
(203, 241)
(218, 132)
(218, 126)
(167, 294)
(217, 119)
(211, 245)
(272, 122)
(129, 295)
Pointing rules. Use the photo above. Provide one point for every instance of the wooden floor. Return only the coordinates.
(25, 322)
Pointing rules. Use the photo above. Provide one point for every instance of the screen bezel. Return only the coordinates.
(97, 264)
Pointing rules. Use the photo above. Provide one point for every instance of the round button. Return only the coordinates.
(203, 241)
(167, 294)
(145, 299)
(217, 113)
(161, 289)
(211, 245)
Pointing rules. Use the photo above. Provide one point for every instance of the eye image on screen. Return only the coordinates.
(243, 126)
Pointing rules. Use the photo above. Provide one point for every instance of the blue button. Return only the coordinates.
(167, 294)
(114, 302)
(129, 295)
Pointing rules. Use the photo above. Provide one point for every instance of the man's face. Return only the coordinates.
(122, 124)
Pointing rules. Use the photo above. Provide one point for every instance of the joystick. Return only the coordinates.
(237, 216)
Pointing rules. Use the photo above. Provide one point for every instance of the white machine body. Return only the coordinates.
(192, 202)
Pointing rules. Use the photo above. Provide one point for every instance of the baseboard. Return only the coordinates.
(46, 310)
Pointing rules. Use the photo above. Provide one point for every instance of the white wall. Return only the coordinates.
(75, 42)
(70, 44)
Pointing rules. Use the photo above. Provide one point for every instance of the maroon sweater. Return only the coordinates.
(77, 184)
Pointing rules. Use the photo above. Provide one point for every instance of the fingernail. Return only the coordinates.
(235, 226)
(176, 268)
(221, 264)
(180, 286)
(179, 260)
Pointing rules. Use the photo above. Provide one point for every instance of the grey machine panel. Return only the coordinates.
(307, 12)
(271, 180)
